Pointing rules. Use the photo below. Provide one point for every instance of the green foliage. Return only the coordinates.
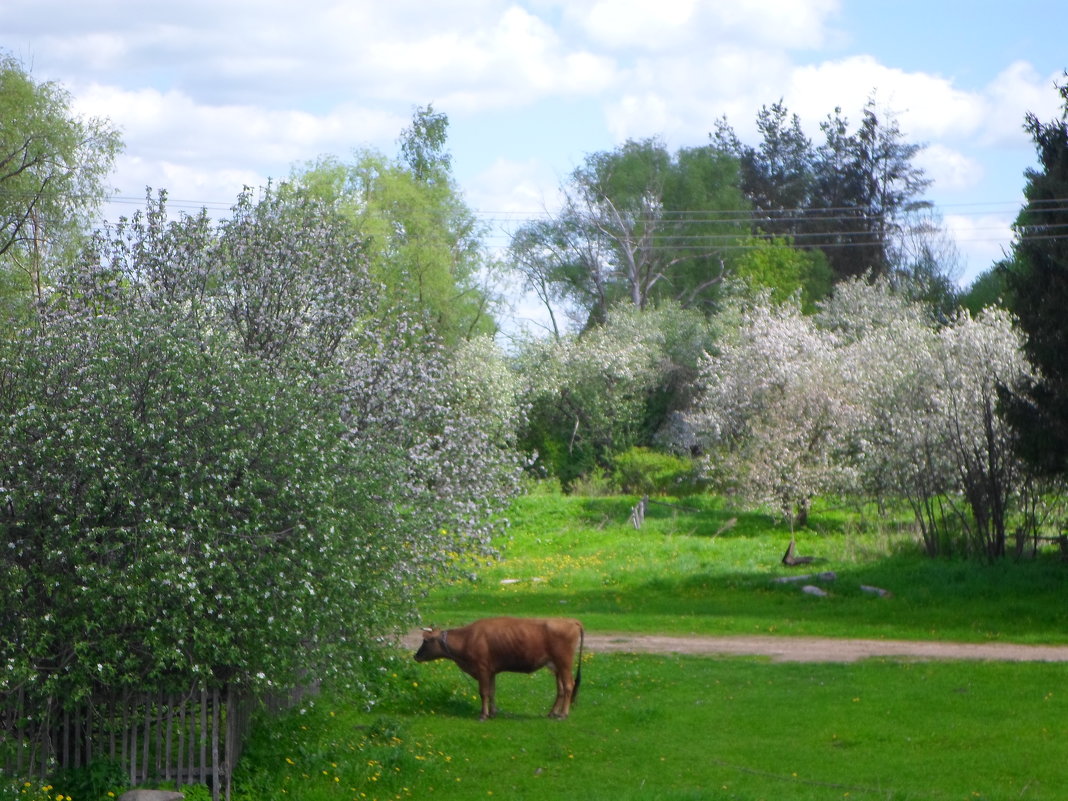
(613, 387)
(423, 244)
(775, 265)
(422, 146)
(100, 780)
(22, 790)
(855, 196)
(1037, 280)
(161, 492)
(642, 471)
(51, 182)
(638, 225)
(198, 792)
(988, 289)
(220, 466)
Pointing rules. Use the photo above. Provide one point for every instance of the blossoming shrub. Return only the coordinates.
(219, 467)
(869, 396)
(609, 389)
(771, 417)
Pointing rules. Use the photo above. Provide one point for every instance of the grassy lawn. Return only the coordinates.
(673, 727)
(693, 572)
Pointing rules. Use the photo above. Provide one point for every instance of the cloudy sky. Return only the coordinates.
(211, 95)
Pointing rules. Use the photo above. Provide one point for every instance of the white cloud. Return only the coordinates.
(513, 190)
(213, 95)
(209, 153)
(666, 25)
(949, 169)
(781, 23)
(682, 96)
(1017, 90)
(981, 238)
(925, 105)
(621, 24)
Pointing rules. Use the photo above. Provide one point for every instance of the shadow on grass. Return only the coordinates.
(696, 516)
(713, 516)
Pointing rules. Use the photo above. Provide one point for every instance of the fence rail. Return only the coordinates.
(193, 737)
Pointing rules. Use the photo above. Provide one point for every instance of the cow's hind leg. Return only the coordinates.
(564, 685)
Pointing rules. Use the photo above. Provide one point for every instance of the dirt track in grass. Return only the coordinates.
(810, 649)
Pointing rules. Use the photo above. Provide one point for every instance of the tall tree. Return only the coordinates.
(638, 224)
(52, 167)
(777, 175)
(1037, 280)
(866, 186)
(423, 146)
(425, 246)
(857, 196)
(240, 467)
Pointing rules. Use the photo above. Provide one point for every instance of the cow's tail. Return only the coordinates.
(578, 671)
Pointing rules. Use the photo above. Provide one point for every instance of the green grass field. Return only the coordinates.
(674, 727)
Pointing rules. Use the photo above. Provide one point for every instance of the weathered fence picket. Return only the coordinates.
(189, 738)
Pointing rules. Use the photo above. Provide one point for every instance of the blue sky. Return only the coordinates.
(214, 94)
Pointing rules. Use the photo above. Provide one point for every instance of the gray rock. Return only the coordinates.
(151, 795)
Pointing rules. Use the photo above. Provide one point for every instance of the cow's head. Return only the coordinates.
(433, 646)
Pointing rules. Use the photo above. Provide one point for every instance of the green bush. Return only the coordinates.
(91, 782)
(164, 492)
(641, 471)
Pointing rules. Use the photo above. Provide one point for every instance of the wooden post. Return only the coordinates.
(637, 514)
(147, 736)
(204, 735)
(169, 736)
(181, 745)
(215, 715)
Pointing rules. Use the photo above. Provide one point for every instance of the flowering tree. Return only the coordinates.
(772, 411)
(930, 429)
(978, 356)
(600, 393)
(220, 466)
(869, 396)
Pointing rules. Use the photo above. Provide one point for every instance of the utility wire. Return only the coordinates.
(742, 219)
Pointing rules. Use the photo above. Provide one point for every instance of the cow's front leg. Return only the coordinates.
(487, 688)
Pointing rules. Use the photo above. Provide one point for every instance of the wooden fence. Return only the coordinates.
(186, 738)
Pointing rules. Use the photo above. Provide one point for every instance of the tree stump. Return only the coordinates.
(791, 559)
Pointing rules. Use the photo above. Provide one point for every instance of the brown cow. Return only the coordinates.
(517, 645)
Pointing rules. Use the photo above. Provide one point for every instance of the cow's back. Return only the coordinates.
(523, 645)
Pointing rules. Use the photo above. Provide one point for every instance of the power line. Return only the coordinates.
(742, 219)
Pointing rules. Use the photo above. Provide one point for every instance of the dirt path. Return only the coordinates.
(810, 649)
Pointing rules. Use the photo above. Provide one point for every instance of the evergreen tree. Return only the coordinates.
(866, 186)
(1037, 279)
(857, 196)
(777, 175)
